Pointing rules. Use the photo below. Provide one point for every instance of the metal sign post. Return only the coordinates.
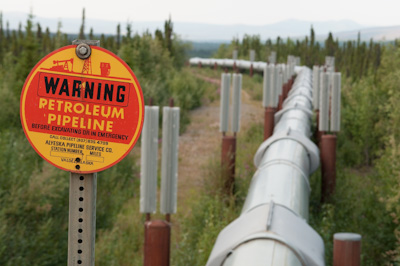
(82, 201)
(82, 219)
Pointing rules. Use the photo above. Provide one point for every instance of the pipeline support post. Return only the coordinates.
(157, 243)
(328, 166)
(280, 102)
(269, 122)
(346, 249)
(228, 158)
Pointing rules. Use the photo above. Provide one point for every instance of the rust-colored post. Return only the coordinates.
(215, 66)
(269, 122)
(228, 157)
(200, 65)
(328, 166)
(234, 67)
(346, 249)
(251, 70)
(290, 84)
(171, 102)
(280, 102)
(157, 243)
(285, 91)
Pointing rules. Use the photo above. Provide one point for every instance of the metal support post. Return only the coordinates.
(82, 219)
(280, 102)
(328, 166)
(228, 158)
(346, 249)
(269, 122)
(157, 243)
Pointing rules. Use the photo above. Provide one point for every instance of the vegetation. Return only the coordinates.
(34, 195)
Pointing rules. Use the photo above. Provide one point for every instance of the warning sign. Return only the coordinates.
(82, 115)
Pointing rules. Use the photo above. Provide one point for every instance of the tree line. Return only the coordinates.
(354, 58)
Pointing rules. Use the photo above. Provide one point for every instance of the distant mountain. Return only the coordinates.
(345, 29)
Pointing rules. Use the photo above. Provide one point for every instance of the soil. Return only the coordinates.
(201, 142)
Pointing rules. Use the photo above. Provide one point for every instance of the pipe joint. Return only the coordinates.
(312, 149)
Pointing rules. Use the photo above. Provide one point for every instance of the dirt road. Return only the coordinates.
(202, 140)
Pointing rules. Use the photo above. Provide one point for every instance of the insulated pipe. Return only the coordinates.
(239, 64)
(272, 228)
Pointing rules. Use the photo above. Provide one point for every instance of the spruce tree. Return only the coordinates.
(81, 35)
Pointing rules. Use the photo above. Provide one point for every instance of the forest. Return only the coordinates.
(34, 194)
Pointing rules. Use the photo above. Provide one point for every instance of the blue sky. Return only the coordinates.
(252, 12)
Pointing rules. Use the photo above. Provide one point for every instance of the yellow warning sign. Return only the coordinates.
(82, 115)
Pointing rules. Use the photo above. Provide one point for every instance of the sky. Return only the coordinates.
(250, 12)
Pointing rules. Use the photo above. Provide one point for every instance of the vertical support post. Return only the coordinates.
(346, 249)
(157, 243)
(82, 219)
(269, 99)
(228, 158)
(328, 166)
(215, 66)
(252, 59)
(280, 102)
(269, 122)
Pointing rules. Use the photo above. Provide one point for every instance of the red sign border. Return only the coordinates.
(140, 98)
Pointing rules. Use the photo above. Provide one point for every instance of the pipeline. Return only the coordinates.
(239, 64)
(272, 228)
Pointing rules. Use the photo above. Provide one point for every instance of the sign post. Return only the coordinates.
(82, 110)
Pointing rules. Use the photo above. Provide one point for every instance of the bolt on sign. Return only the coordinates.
(82, 115)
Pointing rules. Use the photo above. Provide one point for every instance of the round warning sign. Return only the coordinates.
(82, 115)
